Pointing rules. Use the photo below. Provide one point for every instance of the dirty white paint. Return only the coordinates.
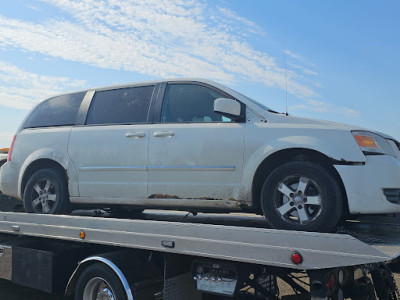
(204, 165)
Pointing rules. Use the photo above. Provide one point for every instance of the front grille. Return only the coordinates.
(392, 195)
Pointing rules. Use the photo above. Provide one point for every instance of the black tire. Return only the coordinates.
(99, 278)
(301, 195)
(47, 193)
(2, 162)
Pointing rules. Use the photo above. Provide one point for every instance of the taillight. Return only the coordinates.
(11, 148)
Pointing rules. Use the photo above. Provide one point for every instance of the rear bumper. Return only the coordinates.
(367, 185)
(9, 179)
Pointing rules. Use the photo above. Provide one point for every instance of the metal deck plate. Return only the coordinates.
(236, 243)
(379, 233)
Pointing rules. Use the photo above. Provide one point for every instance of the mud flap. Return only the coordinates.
(178, 281)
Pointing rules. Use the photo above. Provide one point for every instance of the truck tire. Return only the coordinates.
(99, 281)
(301, 195)
(46, 193)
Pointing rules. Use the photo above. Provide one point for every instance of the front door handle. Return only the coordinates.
(163, 133)
(135, 134)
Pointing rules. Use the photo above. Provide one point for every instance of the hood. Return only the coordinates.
(284, 119)
(274, 118)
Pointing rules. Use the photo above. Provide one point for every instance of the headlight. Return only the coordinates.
(371, 143)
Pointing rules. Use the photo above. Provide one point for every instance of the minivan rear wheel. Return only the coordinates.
(46, 193)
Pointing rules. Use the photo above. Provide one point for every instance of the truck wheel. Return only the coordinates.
(46, 193)
(301, 195)
(98, 281)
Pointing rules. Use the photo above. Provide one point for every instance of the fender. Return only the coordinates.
(50, 154)
(339, 145)
(70, 289)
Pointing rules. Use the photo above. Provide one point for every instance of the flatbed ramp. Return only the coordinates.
(162, 232)
(381, 235)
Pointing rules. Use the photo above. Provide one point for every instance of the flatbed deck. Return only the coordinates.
(235, 237)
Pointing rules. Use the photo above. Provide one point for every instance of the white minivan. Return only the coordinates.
(195, 145)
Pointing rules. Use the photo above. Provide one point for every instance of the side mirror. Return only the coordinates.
(228, 107)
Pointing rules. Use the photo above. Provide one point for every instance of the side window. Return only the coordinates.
(58, 111)
(190, 103)
(120, 106)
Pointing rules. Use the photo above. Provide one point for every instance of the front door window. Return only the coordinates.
(188, 103)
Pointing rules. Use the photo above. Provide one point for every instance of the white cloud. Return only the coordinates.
(232, 17)
(300, 59)
(21, 89)
(309, 72)
(304, 70)
(293, 55)
(350, 112)
(32, 7)
(322, 107)
(155, 38)
(319, 106)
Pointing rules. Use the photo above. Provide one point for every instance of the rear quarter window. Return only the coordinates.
(58, 111)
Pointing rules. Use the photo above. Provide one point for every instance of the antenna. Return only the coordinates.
(284, 59)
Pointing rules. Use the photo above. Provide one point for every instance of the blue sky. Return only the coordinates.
(342, 57)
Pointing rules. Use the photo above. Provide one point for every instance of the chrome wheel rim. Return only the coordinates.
(44, 195)
(298, 199)
(98, 289)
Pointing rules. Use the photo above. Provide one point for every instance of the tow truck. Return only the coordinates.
(171, 255)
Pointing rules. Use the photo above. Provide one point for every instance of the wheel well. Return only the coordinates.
(38, 165)
(284, 156)
(92, 260)
(73, 280)
(2, 162)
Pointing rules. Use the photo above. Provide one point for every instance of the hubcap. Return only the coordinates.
(98, 289)
(297, 199)
(45, 196)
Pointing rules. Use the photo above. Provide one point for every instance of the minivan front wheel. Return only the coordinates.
(301, 195)
(46, 193)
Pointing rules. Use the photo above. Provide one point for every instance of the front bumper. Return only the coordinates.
(9, 179)
(366, 185)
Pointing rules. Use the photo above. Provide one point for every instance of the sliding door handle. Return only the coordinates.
(163, 134)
